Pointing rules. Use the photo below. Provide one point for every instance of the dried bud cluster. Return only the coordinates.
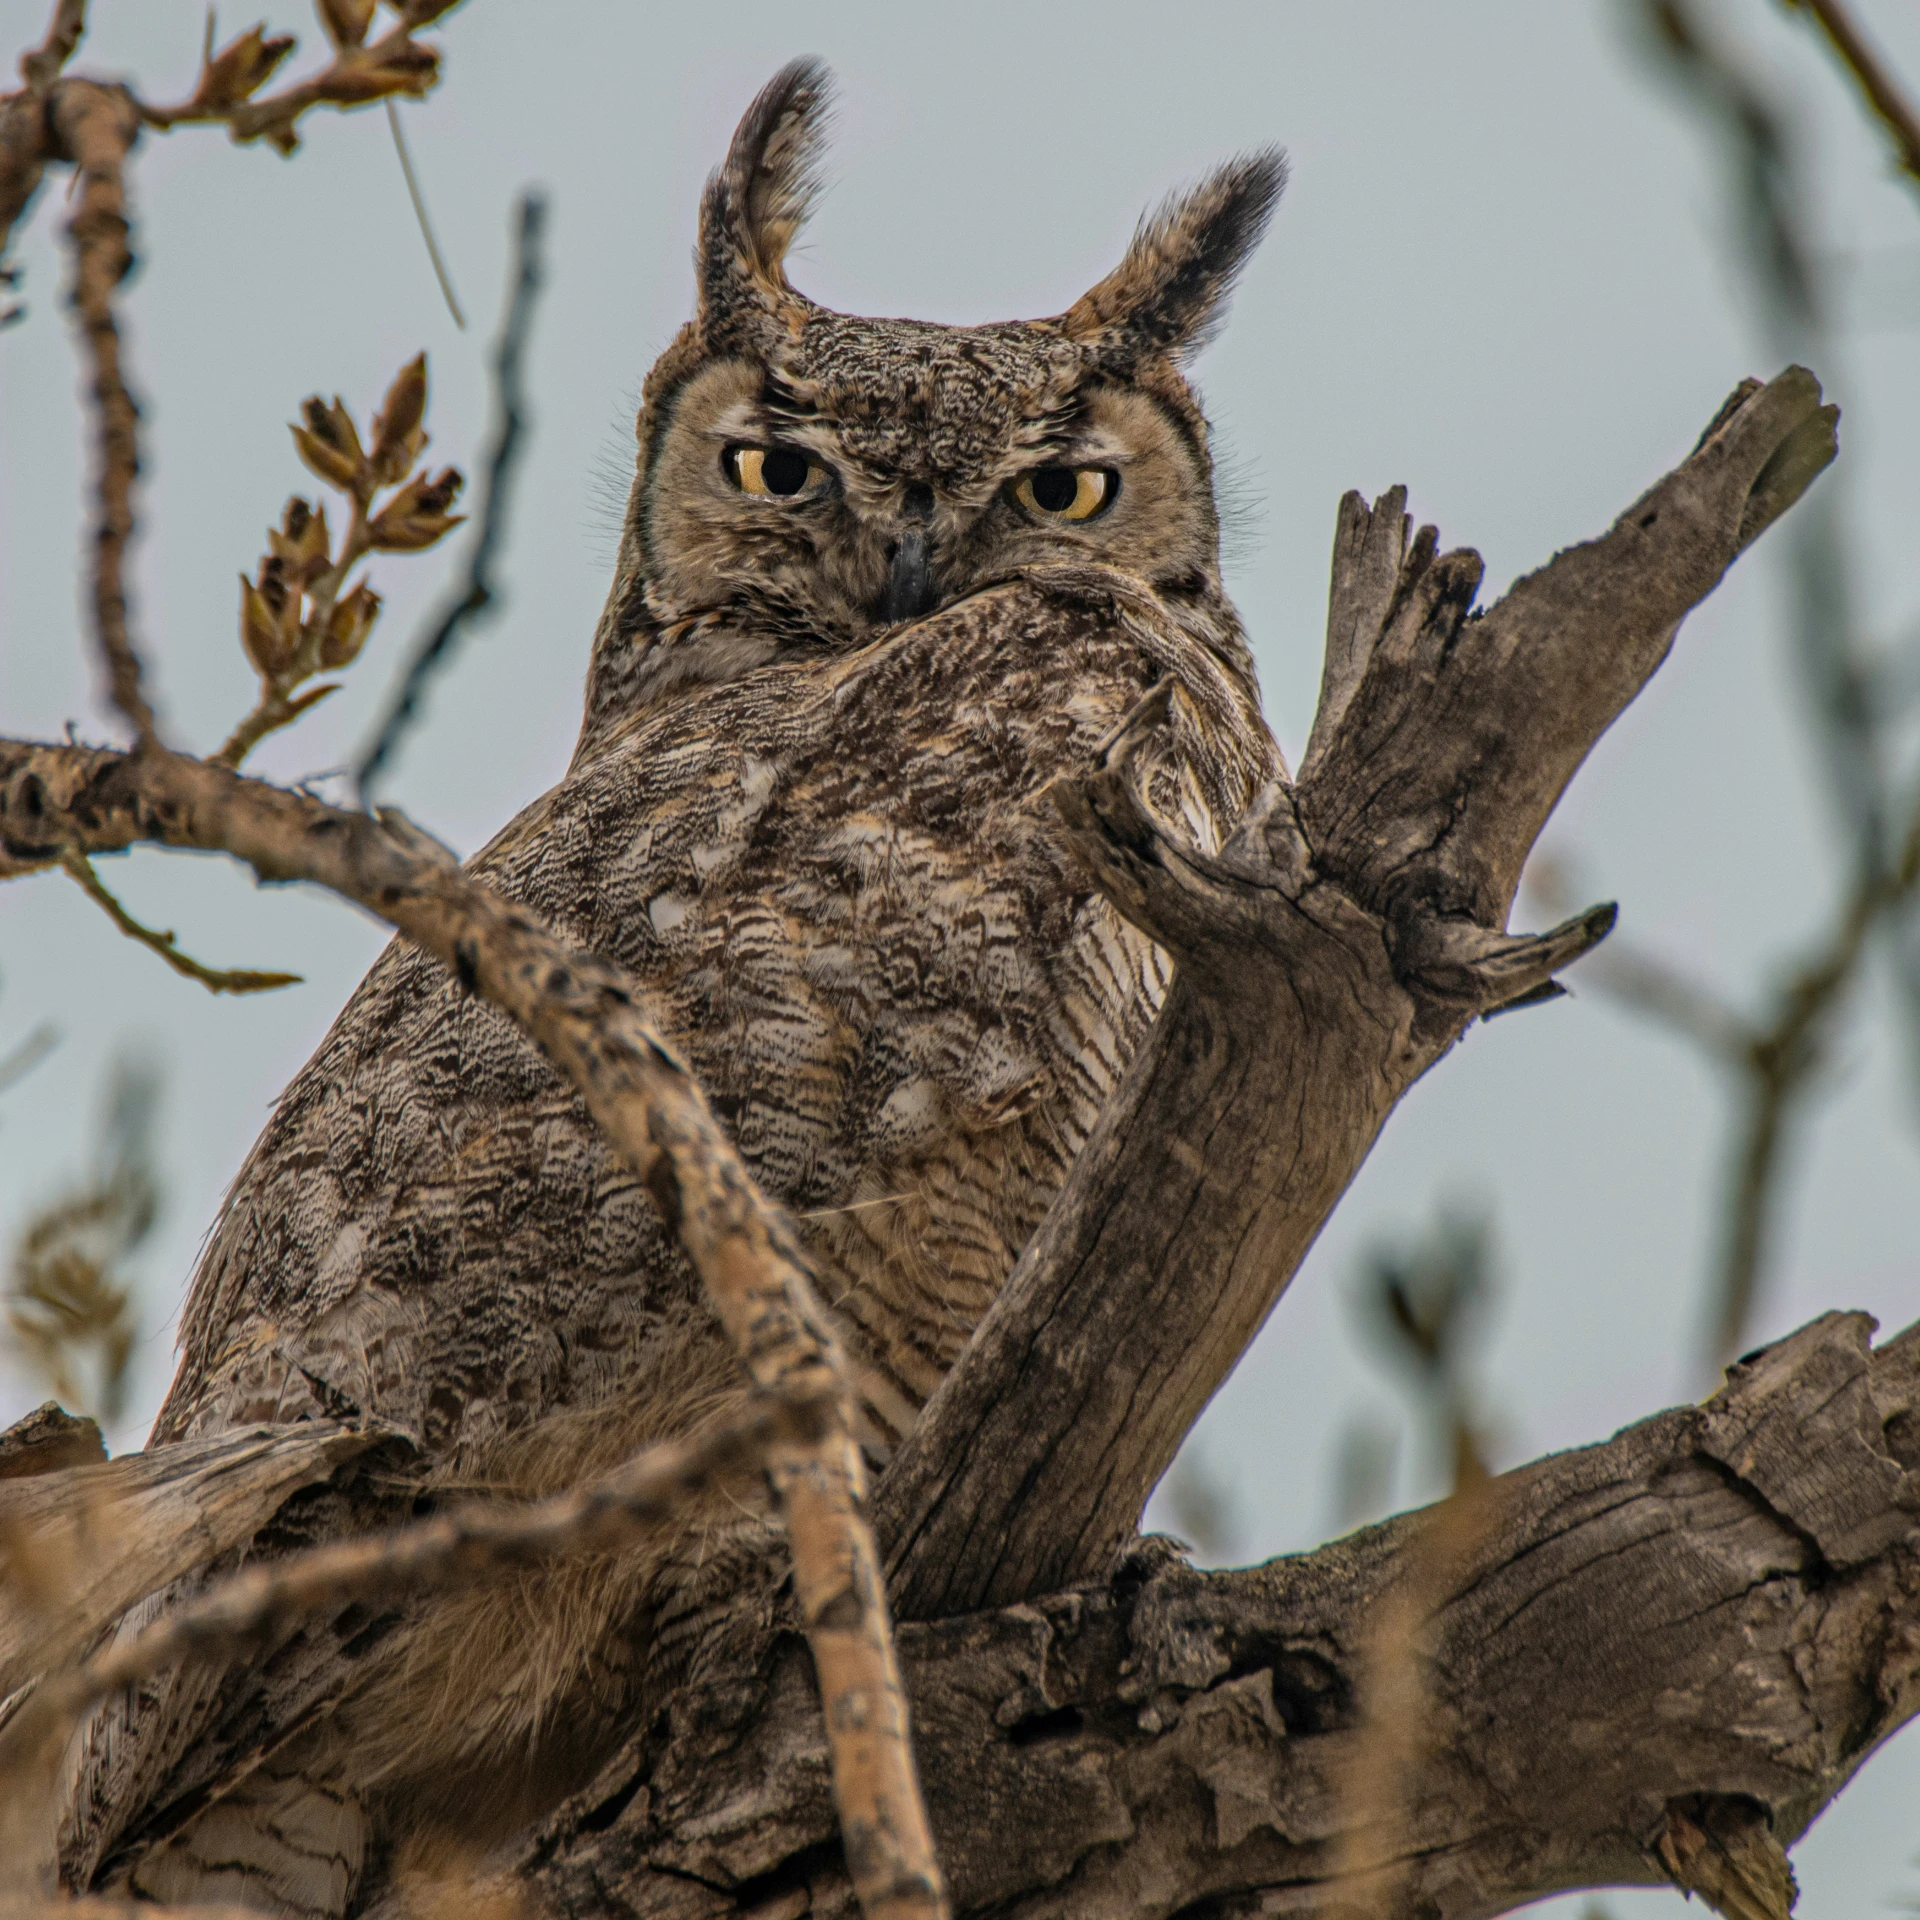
(396, 63)
(297, 615)
(237, 72)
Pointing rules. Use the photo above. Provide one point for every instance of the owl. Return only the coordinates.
(880, 581)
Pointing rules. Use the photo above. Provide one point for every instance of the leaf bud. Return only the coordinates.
(301, 544)
(330, 446)
(239, 69)
(265, 633)
(417, 515)
(348, 626)
(346, 21)
(397, 437)
(373, 73)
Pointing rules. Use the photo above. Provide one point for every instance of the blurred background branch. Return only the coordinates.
(1857, 695)
(1874, 78)
(478, 598)
(69, 1304)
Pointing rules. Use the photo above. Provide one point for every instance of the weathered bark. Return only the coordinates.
(1717, 1610)
(1333, 951)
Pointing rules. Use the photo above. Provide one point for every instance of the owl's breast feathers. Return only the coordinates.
(842, 896)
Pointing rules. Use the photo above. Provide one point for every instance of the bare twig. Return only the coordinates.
(1895, 112)
(419, 200)
(1675, 999)
(97, 126)
(214, 979)
(477, 599)
(1782, 1061)
(1775, 1058)
(584, 1014)
(15, 1066)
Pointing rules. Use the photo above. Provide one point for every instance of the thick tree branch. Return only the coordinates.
(1334, 949)
(1703, 1626)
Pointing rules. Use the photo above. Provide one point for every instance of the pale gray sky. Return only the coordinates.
(1499, 276)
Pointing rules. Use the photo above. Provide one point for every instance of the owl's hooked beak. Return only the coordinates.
(910, 588)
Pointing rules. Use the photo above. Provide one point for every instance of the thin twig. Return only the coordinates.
(98, 126)
(419, 200)
(1785, 1055)
(15, 1066)
(1863, 60)
(214, 979)
(585, 1014)
(478, 597)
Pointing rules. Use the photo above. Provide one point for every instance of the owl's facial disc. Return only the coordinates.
(808, 517)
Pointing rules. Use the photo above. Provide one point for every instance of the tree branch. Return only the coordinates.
(59, 800)
(1890, 106)
(214, 979)
(1697, 1630)
(96, 127)
(1334, 949)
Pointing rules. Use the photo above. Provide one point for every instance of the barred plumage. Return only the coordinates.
(816, 834)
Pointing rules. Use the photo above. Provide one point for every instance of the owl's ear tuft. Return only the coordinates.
(1168, 294)
(757, 202)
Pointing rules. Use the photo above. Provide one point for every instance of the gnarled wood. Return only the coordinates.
(1333, 950)
(1709, 1620)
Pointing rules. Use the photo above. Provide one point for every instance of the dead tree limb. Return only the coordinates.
(1701, 1627)
(1330, 954)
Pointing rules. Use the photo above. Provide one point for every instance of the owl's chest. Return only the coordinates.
(848, 900)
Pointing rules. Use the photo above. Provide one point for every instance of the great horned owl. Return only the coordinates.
(880, 581)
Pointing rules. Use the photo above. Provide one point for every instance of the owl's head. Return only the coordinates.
(807, 478)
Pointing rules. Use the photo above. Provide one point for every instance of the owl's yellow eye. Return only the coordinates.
(778, 473)
(1067, 493)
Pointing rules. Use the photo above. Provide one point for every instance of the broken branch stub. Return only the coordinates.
(1338, 944)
